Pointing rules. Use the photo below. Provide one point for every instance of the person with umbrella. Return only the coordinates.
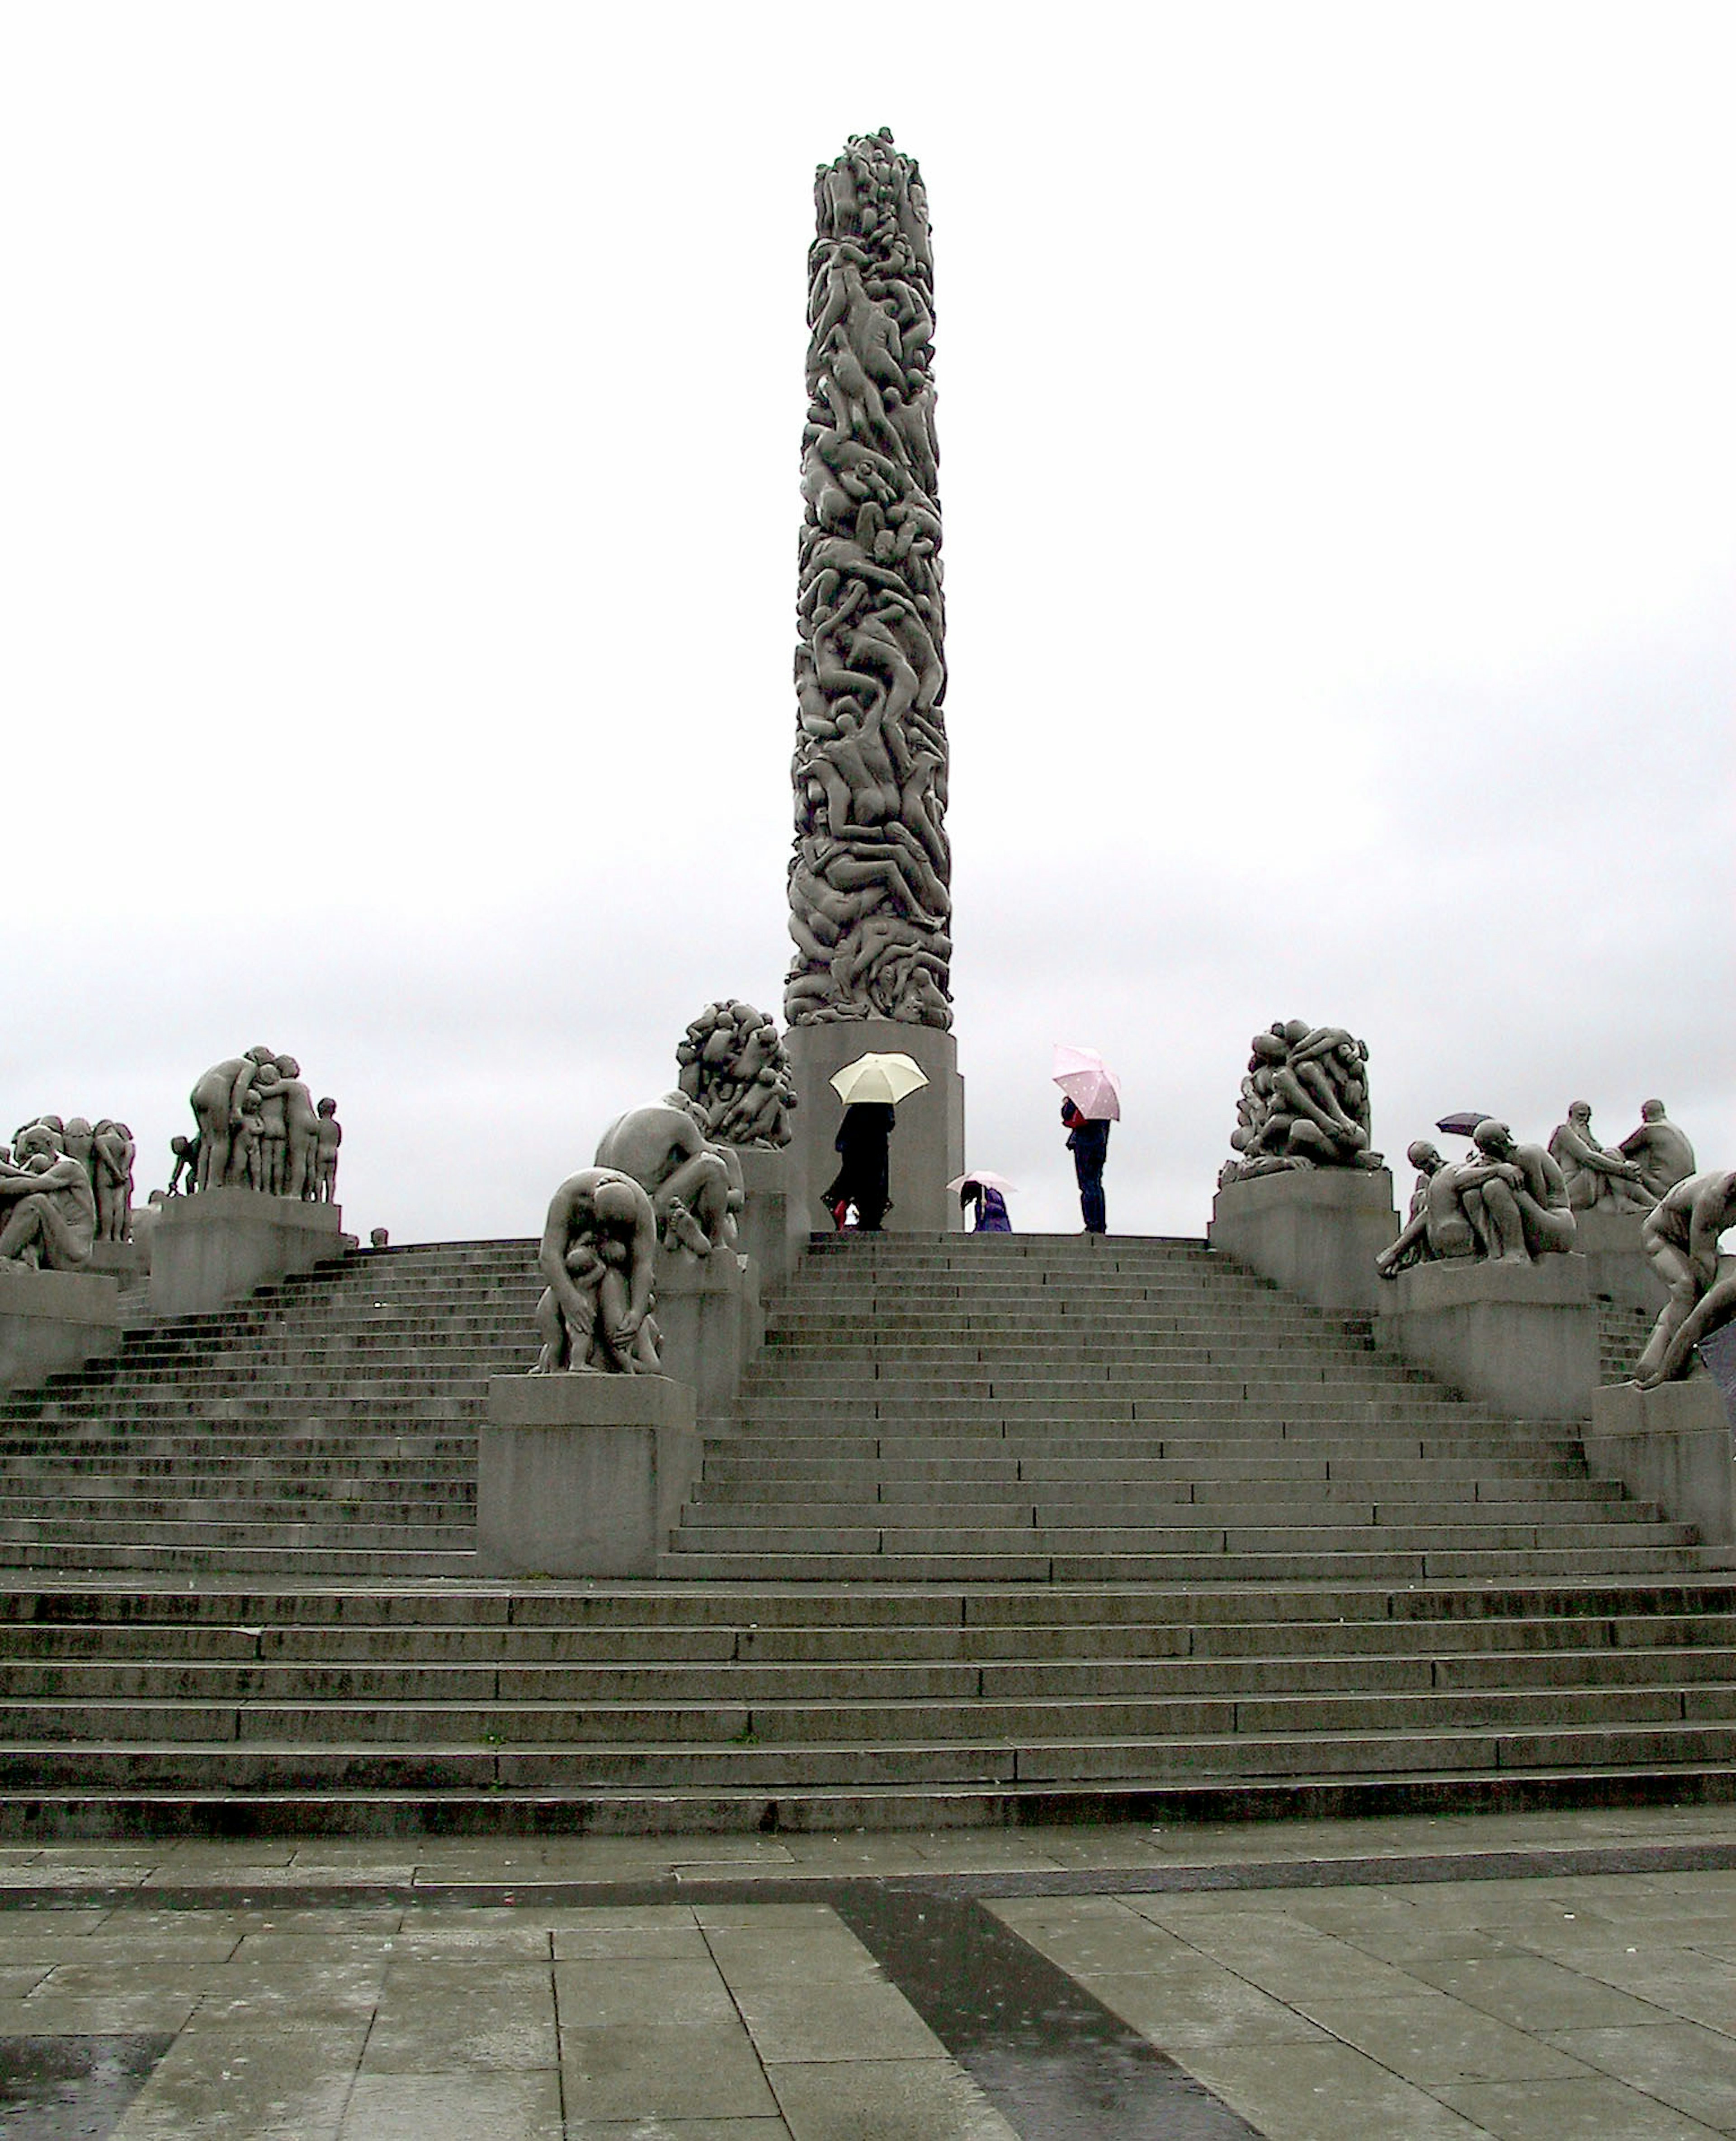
(985, 1196)
(870, 1088)
(1092, 1099)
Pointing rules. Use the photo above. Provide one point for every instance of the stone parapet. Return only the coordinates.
(774, 1229)
(220, 1245)
(708, 1311)
(1521, 1339)
(1314, 1231)
(1671, 1446)
(928, 1145)
(1619, 1271)
(50, 1322)
(582, 1474)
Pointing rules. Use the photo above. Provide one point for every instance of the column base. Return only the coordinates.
(582, 1474)
(927, 1143)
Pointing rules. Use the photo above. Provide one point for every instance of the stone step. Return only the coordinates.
(1609, 1560)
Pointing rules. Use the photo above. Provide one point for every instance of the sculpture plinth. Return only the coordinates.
(582, 1474)
(1314, 1232)
(710, 1323)
(1671, 1446)
(927, 1148)
(1610, 1243)
(50, 1322)
(219, 1246)
(1520, 1338)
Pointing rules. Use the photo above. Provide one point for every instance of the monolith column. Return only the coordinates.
(870, 881)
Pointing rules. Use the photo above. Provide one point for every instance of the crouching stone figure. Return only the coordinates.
(599, 1257)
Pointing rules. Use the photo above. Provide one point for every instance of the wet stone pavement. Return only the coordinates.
(1555, 1975)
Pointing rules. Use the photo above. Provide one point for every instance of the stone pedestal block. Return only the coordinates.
(1315, 1231)
(1519, 1338)
(582, 1474)
(709, 1313)
(127, 1262)
(773, 1227)
(1671, 1446)
(1610, 1243)
(52, 1321)
(219, 1246)
(928, 1145)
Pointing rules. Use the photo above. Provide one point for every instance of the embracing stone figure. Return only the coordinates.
(258, 1128)
(598, 1256)
(870, 898)
(49, 1206)
(1506, 1203)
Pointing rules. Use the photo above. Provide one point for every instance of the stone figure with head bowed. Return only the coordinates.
(598, 1257)
(1679, 1236)
(49, 1205)
(112, 1155)
(1662, 1152)
(1598, 1180)
(687, 1178)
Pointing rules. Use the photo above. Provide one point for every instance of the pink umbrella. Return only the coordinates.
(1087, 1082)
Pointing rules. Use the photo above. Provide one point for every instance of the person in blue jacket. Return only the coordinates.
(1088, 1138)
(989, 1209)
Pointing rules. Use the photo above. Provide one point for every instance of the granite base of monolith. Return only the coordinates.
(219, 1246)
(773, 1229)
(927, 1143)
(53, 1321)
(1521, 1339)
(1314, 1231)
(127, 1262)
(1620, 1271)
(582, 1474)
(1671, 1446)
(710, 1323)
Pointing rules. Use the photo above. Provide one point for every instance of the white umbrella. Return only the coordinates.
(1088, 1081)
(989, 1181)
(873, 1077)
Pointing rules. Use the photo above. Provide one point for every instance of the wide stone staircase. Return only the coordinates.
(1001, 1529)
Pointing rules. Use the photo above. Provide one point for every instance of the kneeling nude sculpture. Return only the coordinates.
(599, 1257)
(1680, 1238)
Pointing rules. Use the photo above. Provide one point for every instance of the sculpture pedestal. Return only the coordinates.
(126, 1262)
(1671, 1446)
(219, 1246)
(1520, 1338)
(53, 1321)
(773, 1229)
(928, 1142)
(1610, 1243)
(582, 1474)
(709, 1313)
(1315, 1230)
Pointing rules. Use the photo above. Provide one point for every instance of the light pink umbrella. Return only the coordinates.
(1087, 1082)
(989, 1181)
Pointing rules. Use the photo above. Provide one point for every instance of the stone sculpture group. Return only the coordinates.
(734, 1070)
(54, 1236)
(870, 900)
(1304, 1103)
(1506, 1203)
(259, 1128)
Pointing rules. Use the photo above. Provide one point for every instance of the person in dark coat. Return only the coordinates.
(988, 1208)
(863, 1176)
(1088, 1138)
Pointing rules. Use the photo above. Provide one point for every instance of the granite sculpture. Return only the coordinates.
(1506, 1203)
(1680, 1235)
(1304, 1103)
(49, 1205)
(665, 1150)
(870, 898)
(1662, 1152)
(328, 1136)
(598, 1256)
(1597, 1179)
(734, 1072)
(258, 1128)
(106, 1151)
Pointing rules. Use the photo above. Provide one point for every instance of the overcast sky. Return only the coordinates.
(400, 415)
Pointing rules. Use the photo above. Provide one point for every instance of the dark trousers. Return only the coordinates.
(1088, 1168)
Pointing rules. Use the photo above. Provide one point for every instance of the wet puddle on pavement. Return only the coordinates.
(71, 2088)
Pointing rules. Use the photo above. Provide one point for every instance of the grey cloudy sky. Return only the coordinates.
(399, 422)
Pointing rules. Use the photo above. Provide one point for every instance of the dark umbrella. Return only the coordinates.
(1463, 1125)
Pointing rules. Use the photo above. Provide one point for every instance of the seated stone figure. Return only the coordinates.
(1515, 1197)
(1680, 1235)
(51, 1224)
(1596, 1179)
(1304, 1103)
(599, 1255)
(1661, 1151)
(734, 1068)
(687, 1178)
(1437, 1228)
